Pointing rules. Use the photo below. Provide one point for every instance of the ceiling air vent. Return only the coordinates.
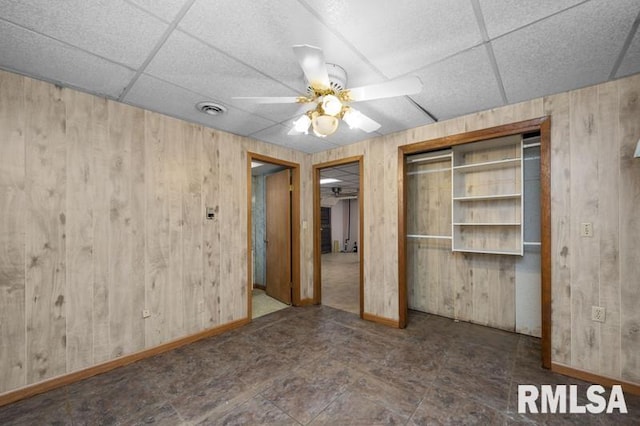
(210, 108)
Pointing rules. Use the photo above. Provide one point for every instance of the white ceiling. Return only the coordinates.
(168, 55)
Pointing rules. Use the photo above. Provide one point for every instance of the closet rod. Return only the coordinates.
(435, 157)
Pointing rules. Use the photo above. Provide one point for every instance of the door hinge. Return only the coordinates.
(290, 188)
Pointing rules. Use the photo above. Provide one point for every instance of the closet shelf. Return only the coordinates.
(487, 190)
(431, 237)
(487, 224)
(422, 172)
(488, 197)
(489, 165)
(488, 251)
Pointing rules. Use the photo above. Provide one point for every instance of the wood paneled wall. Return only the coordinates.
(594, 178)
(102, 215)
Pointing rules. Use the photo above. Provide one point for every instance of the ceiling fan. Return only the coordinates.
(328, 100)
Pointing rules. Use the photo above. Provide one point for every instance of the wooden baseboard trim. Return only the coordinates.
(306, 302)
(381, 320)
(565, 370)
(260, 286)
(56, 382)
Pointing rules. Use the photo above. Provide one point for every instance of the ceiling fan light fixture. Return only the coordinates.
(331, 105)
(301, 125)
(324, 125)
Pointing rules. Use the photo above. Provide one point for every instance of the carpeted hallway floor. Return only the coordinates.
(322, 366)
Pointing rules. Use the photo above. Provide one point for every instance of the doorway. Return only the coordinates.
(338, 234)
(273, 234)
(455, 142)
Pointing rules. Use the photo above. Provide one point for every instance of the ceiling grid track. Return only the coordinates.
(487, 44)
(156, 48)
(625, 47)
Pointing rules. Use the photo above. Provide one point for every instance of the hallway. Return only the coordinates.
(340, 281)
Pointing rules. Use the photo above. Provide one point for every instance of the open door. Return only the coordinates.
(278, 233)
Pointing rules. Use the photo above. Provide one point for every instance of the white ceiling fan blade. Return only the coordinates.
(311, 60)
(400, 87)
(357, 120)
(268, 99)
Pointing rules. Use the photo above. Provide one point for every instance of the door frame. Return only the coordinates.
(543, 125)
(295, 227)
(317, 256)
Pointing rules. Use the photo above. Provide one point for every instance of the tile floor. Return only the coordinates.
(262, 304)
(320, 366)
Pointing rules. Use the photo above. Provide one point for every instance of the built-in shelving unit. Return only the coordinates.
(487, 213)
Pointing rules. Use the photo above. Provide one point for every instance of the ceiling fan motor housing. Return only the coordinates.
(337, 79)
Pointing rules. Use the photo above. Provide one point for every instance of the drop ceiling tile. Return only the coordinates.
(403, 36)
(106, 27)
(502, 16)
(261, 34)
(156, 95)
(165, 9)
(573, 49)
(459, 85)
(191, 64)
(394, 114)
(631, 61)
(28, 53)
(306, 143)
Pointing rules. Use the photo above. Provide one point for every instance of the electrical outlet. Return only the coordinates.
(146, 313)
(586, 229)
(200, 306)
(597, 313)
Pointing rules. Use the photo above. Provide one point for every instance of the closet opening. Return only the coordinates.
(474, 229)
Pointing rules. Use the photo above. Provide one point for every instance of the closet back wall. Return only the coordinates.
(102, 215)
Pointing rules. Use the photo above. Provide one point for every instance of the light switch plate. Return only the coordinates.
(586, 229)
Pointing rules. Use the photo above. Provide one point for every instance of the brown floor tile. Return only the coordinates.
(351, 408)
(256, 411)
(319, 365)
(452, 408)
(307, 391)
